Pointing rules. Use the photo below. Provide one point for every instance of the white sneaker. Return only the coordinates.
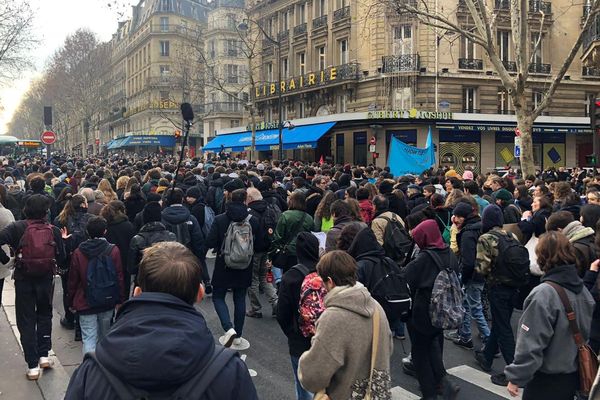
(237, 341)
(229, 337)
(45, 362)
(33, 374)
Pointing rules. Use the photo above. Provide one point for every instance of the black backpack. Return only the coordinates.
(388, 286)
(397, 243)
(511, 267)
(182, 231)
(194, 388)
(102, 283)
(268, 221)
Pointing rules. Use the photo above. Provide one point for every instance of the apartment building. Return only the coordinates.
(359, 74)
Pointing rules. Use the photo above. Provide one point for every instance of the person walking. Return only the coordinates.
(290, 224)
(6, 218)
(119, 232)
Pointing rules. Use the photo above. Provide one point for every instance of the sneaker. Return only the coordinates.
(483, 362)
(237, 341)
(399, 337)
(467, 344)
(451, 335)
(69, 325)
(229, 337)
(45, 362)
(33, 374)
(499, 379)
(254, 314)
(407, 366)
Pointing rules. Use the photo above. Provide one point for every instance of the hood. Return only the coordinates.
(236, 211)
(355, 299)
(365, 245)
(307, 250)
(366, 205)
(415, 196)
(93, 247)
(492, 217)
(259, 206)
(427, 235)
(176, 214)
(156, 329)
(217, 182)
(118, 219)
(344, 181)
(566, 276)
(153, 227)
(576, 231)
(472, 223)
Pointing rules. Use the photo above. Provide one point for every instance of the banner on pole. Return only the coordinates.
(405, 159)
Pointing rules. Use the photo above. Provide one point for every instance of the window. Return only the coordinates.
(301, 110)
(470, 100)
(166, 5)
(503, 44)
(403, 43)
(589, 98)
(284, 21)
(231, 22)
(343, 46)
(301, 13)
(231, 48)
(234, 123)
(322, 57)
(537, 54)
(342, 102)
(270, 26)
(165, 70)
(402, 98)
(164, 24)
(504, 102)
(284, 67)
(302, 63)
(164, 48)
(232, 73)
(322, 7)
(360, 148)
(341, 3)
(269, 72)
(211, 128)
(536, 99)
(211, 49)
(467, 49)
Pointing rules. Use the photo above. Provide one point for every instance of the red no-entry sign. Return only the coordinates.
(48, 137)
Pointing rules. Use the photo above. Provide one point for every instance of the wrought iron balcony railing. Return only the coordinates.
(341, 14)
(539, 68)
(470, 63)
(319, 22)
(401, 63)
(536, 6)
(300, 29)
(510, 66)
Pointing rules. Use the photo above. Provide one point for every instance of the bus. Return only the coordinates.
(12, 146)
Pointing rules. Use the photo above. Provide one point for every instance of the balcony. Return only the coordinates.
(539, 68)
(348, 71)
(510, 66)
(470, 110)
(165, 80)
(283, 37)
(590, 72)
(470, 63)
(502, 5)
(224, 107)
(462, 5)
(319, 22)
(591, 38)
(538, 6)
(300, 29)
(341, 14)
(401, 63)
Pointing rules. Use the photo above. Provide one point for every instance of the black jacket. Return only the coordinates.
(273, 197)
(312, 201)
(133, 206)
(224, 277)
(152, 232)
(30, 193)
(512, 214)
(467, 244)
(415, 200)
(211, 195)
(197, 210)
(537, 225)
(120, 232)
(591, 282)
(262, 241)
(158, 342)
(368, 254)
(177, 214)
(397, 205)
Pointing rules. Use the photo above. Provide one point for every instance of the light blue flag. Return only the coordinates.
(404, 159)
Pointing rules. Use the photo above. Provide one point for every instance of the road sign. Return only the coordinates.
(517, 146)
(97, 142)
(517, 132)
(48, 137)
(373, 141)
(372, 148)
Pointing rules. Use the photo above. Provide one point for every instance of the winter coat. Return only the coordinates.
(6, 218)
(537, 224)
(467, 243)
(544, 340)
(420, 276)
(211, 195)
(379, 224)
(334, 233)
(262, 241)
(197, 210)
(15, 203)
(76, 295)
(397, 205)
(583, 239)
(147, 188)
(134, 205)
(52, 205)
(160, 330)
(312, 202)
(367, 211)
(283, 233)
(368, 255)
(151, 233)
(120, 232)
(512, 214)
(339, 359)
(273, 197)
(224, 277)
(95, 207)
(415, 200)
(178, 214)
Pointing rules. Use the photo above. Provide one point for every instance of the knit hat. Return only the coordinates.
(492, 217)
(503, 194)
(194, 192)
(152, 212)
(233, 185)
(452, 174)
(468, 175)
(462, 210)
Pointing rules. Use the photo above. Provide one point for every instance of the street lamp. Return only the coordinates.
(244, 27)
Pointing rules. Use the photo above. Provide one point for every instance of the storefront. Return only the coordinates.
(459, 150)
(143, 143)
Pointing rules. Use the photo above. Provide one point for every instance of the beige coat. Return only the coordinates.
(379, 224)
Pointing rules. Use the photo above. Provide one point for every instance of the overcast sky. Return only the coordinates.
(55, 20)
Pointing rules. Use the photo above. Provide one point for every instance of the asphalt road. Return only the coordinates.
(268, 356)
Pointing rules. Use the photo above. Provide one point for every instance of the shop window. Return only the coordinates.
(339, 148)
(360, 148)
(470, 100)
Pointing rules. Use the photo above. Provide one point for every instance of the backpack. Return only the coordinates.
(268, 221)
(446, 306)
(512, 268)
(76, 227)
(218, 199)
(209, 218)
(238, 245)
(391, 290)
(397, 243)
(312, 301)
(182, 231)
(192, 389)
(102, 283)
(447, 233)
(36, 255)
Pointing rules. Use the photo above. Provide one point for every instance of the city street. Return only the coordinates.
(267, 356)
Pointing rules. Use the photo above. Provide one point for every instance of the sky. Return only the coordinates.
(54, 21)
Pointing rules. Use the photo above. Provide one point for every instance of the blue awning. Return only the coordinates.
(300, 137)
(142, 140)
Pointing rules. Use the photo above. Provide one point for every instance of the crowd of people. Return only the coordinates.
(349, 259)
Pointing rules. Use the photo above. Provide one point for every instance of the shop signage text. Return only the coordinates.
(318, 78)
(27, 143)
(413, 113)
(261, 126)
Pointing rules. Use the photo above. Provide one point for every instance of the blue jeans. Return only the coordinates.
(277, 274)
(501, 336)
(239, 308)
(93, 328)
(473, 309)
(301, 393)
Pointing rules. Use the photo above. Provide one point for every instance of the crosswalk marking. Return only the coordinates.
(481, 379)
(399, 393)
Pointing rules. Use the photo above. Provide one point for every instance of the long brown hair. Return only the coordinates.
(554, 250)
(113, 210)
(324, 207)
(74, 202)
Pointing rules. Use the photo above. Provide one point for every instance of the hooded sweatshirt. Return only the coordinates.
(87, 250)
(544, 340)
(368, 254)
(160, 330)
(339, 359)
(177, 214)
(582, 239)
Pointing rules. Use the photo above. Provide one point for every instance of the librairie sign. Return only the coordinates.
(413, 113)
(318, 78)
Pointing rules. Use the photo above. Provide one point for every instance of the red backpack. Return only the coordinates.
(312, 303)
(36, 255)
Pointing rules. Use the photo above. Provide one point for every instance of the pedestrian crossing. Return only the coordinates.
(466, 375)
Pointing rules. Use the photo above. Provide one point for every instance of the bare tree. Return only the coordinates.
(16, 38)
(480, 30)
